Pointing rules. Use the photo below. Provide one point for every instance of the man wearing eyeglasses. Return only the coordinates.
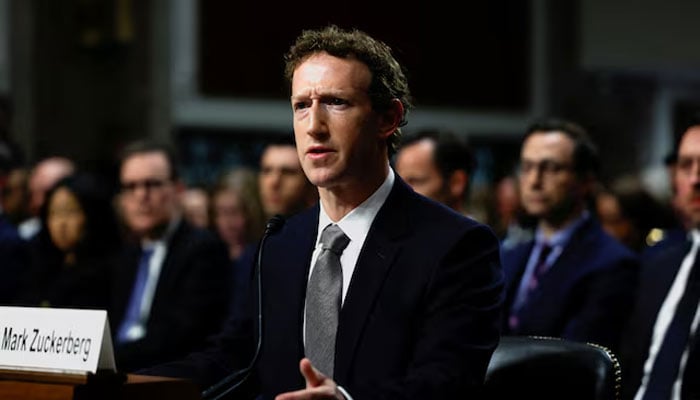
(172, 285)
(572, 280)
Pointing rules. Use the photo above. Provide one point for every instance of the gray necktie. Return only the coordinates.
(323, 299)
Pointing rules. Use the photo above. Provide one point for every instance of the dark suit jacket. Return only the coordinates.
(420, 319)
(14, 259)
(656, 278)
(189, 304)
(586, 295)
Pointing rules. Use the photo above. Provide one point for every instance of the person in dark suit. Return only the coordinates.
(660, 298)
(572, 280)
(75, 247)
(421, 284)
(171, 285)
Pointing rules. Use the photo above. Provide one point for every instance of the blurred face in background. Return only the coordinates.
(65, 219)
(416, 165)
(687, 176)
(44, 175)
(284, 188)
(230, 218)
(149, 197)
(195, 206)
(611, 217)
(550, 189)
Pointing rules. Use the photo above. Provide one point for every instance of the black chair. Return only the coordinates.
(532, 367)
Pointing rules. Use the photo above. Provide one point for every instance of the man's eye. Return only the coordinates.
(299, 105)
(336, 101)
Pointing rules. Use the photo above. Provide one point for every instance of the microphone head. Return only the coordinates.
(274, 224)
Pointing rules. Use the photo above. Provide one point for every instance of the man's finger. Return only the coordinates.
(312, 376)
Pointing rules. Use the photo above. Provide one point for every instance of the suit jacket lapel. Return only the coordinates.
(375, 260)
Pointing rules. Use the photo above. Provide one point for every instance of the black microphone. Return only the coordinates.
(235, 379)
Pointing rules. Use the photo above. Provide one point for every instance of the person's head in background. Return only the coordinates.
(195, 206)
(284, 189)
(558, 172)
(629, 213)
(686, 176)
(43, 176)
(237, 214)
(438, 165)
(79, 218)
(150, 188)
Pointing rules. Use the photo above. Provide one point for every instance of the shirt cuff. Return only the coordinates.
(345, 393)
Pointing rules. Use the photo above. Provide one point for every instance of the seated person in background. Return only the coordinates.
(438, 165)
(238, 219)
(237, 215)
(572, 280)
(660, 355)
(172, 285)
(78, 242)
(630, 214)
(13, 248)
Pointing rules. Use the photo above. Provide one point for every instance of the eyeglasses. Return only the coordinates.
(147, 184)
(546, 167)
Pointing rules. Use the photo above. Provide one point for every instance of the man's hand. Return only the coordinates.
(318, 386)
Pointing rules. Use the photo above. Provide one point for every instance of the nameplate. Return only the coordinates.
(55, 340)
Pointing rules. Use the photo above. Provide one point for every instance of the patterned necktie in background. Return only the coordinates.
(323, 300)
(533, 283)
(132, 319)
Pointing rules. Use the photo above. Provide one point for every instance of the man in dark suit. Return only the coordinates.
(421, 284)
(572, 280)
(666, 282)
(172, 283)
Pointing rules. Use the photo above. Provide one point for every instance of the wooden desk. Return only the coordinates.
(37, 386)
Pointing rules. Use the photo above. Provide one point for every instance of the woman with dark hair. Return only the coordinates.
(78, 241)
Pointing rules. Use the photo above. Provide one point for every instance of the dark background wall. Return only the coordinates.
(85, 76)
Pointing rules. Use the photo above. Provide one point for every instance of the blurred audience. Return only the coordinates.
(660, 356)
(629, 213)
(76, 246)
(438, 165)
(14, 197)
(572, 280)
(512, 224)
(42, 177)
(196, 206)
(13, 250)
(284, 189)
(237, 213)
(171, 289)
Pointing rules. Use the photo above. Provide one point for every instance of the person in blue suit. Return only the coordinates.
(662, 286)
(583, 287)
(421, 284)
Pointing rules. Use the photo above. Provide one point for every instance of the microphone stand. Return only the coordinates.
(273, 225)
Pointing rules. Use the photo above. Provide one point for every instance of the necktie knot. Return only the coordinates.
(334, 239)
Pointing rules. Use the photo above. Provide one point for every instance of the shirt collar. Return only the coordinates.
(562, 236)
(357, 222)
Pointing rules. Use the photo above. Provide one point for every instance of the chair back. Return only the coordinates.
(533, 367)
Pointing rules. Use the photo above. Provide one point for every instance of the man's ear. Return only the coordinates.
(391, 118)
